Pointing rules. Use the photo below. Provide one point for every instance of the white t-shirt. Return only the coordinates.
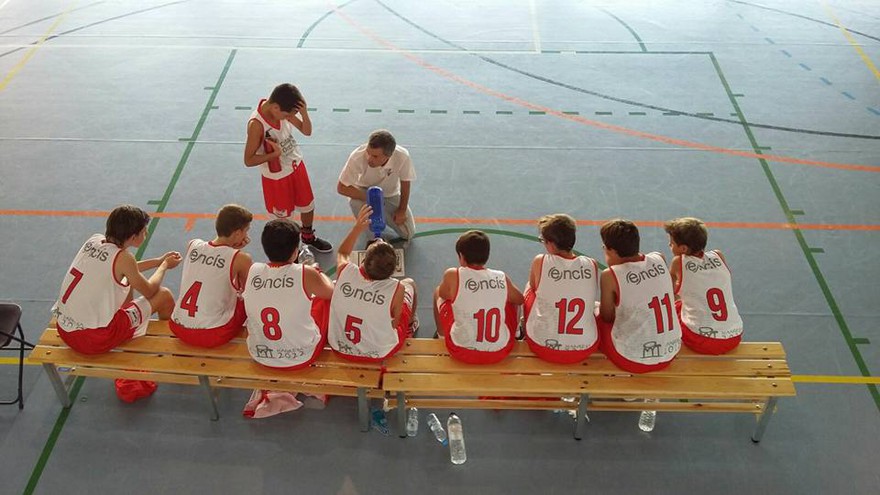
(358, 173)
(561, 317)
(208, 291)
(646, 329)
(290, 157)
(281, 331)
(90, 295)
(707, 305)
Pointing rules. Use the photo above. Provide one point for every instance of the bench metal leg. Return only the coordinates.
(203, 380)
(61, 390)
(401, 414)
(363, 409)
(581, 416)
(769, 406)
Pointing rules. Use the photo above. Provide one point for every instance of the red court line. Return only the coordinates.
(192, 217)
(594, 123)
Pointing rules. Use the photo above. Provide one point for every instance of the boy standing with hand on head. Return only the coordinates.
(710, 321)
(476, 307)
(210, 312)
(271, 146)
(638, 329)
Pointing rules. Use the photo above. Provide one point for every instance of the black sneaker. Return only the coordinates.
(318, 244)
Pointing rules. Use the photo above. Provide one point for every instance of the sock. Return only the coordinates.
(307, 233)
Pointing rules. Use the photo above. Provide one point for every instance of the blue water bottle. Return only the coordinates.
(377, 218)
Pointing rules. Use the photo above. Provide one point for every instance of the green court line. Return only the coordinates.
(243, 108)
(604, 113)
(802, 242)
(738, 95)
(638, 113)
(551, 51)
(153, 202)
(186, 152)
(185, 140)
(209, 88)
(406, 111)
(311, 109)
(53, 438)
(471, 112)
(571, 113)
(503, 112)
(765, 148)
(373, 110)
(344, 110)
(816, 250)
(797, 212)
(438, 111)
(705, 114)
(537, 112)
(215, 107)
(861, 340)
(631, 30)
(673, 114)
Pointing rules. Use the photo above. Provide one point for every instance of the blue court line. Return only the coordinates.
(826, 81)
(785, 52)
(873, 110)
(805, 66)
(851, 97)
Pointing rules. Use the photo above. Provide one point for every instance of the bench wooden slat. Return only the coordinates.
(532, 364)
(526, 404)
(135, 375)
(644, 386)
(291, 387)
(207, 367)
(746, 350)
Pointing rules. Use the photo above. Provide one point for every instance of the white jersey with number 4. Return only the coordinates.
(283, 137)
(707, 306)
(208, 291)
(646, 329)
(90, 295)
(361, 324)
(281, 331)
(478, 310)
(561, 317)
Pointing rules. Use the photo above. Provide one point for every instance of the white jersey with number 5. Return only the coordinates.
(361, 325)
(281, 331)
(283, 137)
(707, 306)
(478, 310)
(90, 295)
(208, 289)
(561, 316)
(646, 329)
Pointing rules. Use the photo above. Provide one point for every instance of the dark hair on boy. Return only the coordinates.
(384, 140)
(380, 261)
(231, 218)
(688, 231)
(280, 239)
(560, 229)
(473, 246)
(125, 222)
(287, 96)
(621, 236)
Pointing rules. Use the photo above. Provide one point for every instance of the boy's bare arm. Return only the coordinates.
(535, 272)
(241, 266)
(446, 289)
(674, 271)
(151, 263)
(303, 123)
(126, 266)
(608, 289)
(317, 283)
(514, 295)
(397, 305)
(254, 141)
(343, 253)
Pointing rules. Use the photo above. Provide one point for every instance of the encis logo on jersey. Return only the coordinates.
(259, 282)
(576, 274)
(215, 261)
(708, 264)
(490, 283)
(374, 297)
(93, 251)
(654, 271)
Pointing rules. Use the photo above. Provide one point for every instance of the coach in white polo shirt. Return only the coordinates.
(381, 162)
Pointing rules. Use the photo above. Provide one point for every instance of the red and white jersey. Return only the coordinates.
(707, 306)
(361, 325)
(478, 310)
(208, 289)
(645, 330)
(281, 331)
(90, 295)
(561, 316)
(283, 137)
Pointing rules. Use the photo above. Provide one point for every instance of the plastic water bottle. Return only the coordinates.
(647, 418)
(412, 422)
(380, 422)
(437, 428)
(377, 219)
(306, 257)
(457, 452)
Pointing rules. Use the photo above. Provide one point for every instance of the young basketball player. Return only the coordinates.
(96, 310)
(475, 307)
(638, 330)
(710, 321)
(272, 146)
(561, 296)
(210, 312)
(371, 314)
(285, 302)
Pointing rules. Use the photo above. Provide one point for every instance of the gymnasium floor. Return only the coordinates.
(762, 118)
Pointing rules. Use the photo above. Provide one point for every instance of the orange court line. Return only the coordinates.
(449, 75)
(192, 217)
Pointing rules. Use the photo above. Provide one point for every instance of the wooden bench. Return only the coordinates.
(161, 357)
(749, 379)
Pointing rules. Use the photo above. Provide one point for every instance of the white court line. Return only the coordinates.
(4, 4)
(536, 35)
